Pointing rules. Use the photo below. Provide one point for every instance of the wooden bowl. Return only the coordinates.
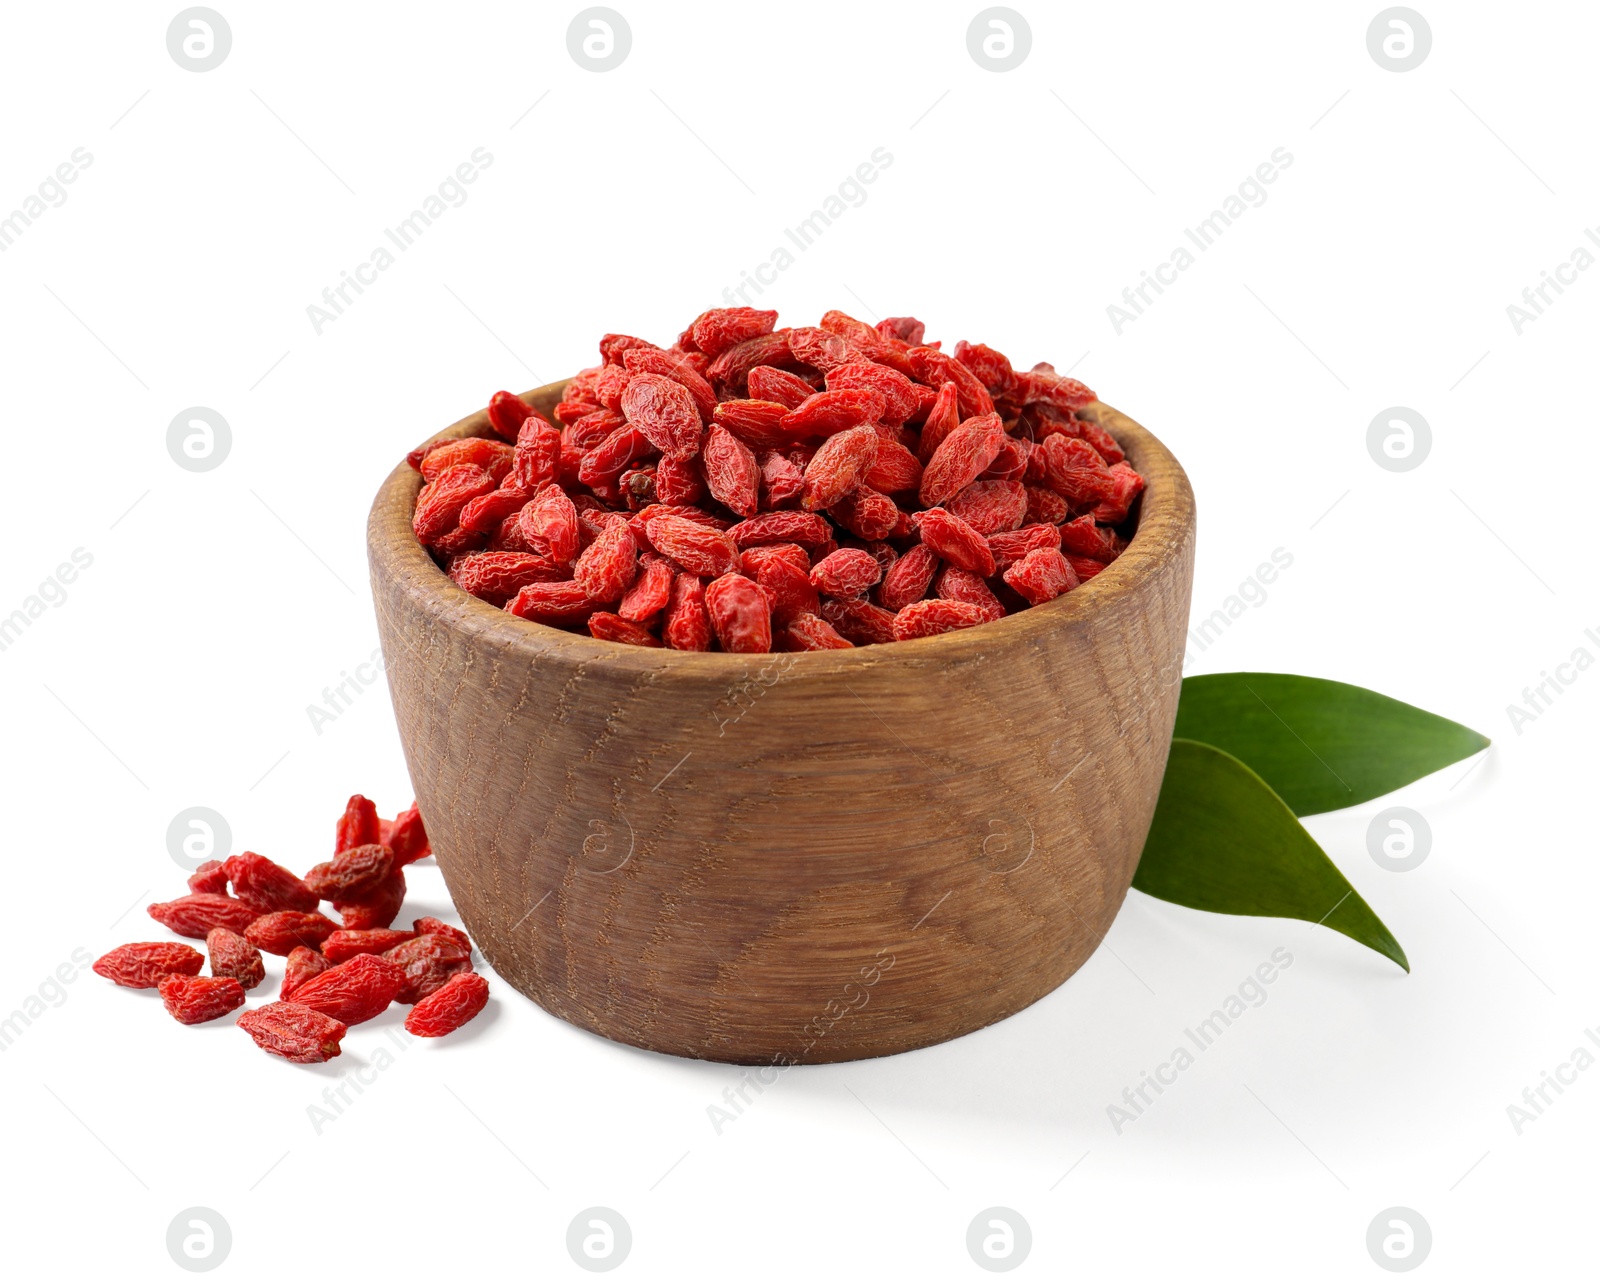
(784, 858)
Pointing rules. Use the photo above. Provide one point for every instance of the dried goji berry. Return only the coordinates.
(759, 423)
(822, 350)
(961, 458)
(507, 413)
(782, 482)
(934, 368)
(496, 576)
(967, 587)
(894, 468)
(701, 550)
(731, 472)
(192, 1000)
(235, 957)
(829, 412)
(672, 365)
(1075, 470)
(804, 527)
(1126, 485)
(552, 602)
(955, 541)
(906, 328)
(293, 1031)
(716, 330)
(283, 931)
(430, 924)
(494, 456)
(935, 617)
(1009, 547)
(650, 591)
(909, 580)
(664, 412)
(198, 914)
(352, 872)
(342, 944)
(268, 887)
(429, 961)
(788, 587)
(838, 467)
(440, 502)
(460, 1000)
(609, 565)
(608, 626)
(209, 877)
(376, 908)
(991, 506)
(867, 513)
(356, 991)
(1041, 575)
(859, 621)
(740, 614)
(899, 393)
(788, 389)
(687, 625)
(144, 964)
(806, 632)
(1045, 506)
(846, 573)
(617, 452)
(989, 367)
(1084, 567)
(302, 965)
(357, 825)
(944, 416)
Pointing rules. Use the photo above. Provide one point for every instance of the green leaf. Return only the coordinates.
(1320, 744)
(1221, 840)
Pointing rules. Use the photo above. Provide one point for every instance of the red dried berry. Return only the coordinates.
(687, 625)
(894, 468)
(822, 350)
(537, 460)
(670, 364)
(235, 957)
(198, 914)
(955, 541)
(268, 887)
(430, 924)
(664, 412)
(731, 369)
(608, 626)
(283, 931)
(804, 527)
(293, 1031)
(909, 579)
(356, 991)
(991, 506)
(807, 632)
(302, 965)
(494, 456)
(351, 873)
(209, 877)
(1082, 537)
(1008, 548)
(944, 416)
(723, 327)
(900, 397)
(357, 825)
(846, 573)
(867, 513)
(440, 502)
(609, 565)
(1041, 575)
(342, 944)
(552, 602)
(788, 587)
(192, 1000)
(782, 482)
(767, 383)
(838, 467)
(375, 909)
(699, 549)
(507, 413)
(961, 458)
(758, 423)
(935, 617)
(429, 961)
(144, 964)
(731, 471)
(456, 1003)
(740, 614)
(829, 412)
(496, 576)
(859, 621)
(968, 588)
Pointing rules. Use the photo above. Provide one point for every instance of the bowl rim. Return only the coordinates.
(1166, 522)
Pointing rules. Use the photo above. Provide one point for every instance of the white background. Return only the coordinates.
(179, 667)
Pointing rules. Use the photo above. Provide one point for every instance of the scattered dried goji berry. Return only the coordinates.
(429, 924)
(302, 965)
(1041, 575)
(293, 1031)
(198, 914)
(357, 825)
(144, 964)
(731, 471)
(740, 614)
(268, 887)
(664, 412)
(429, 961)
(209, 877)
(838, 467)
(788, 389)
(283, 931)
(696, 547)
(507, 413)
(341, 944)
(353, 872)
(955, 541)
(235, 957)
(846, 573)
(935, 617)
(192, 1000)
(376, 908)
(356, 991)
(460, 1000)
(909, 579)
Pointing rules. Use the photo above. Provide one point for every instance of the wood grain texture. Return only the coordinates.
(791, 857)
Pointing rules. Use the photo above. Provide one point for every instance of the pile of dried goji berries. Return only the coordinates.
(751, 488)
(337, 973)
